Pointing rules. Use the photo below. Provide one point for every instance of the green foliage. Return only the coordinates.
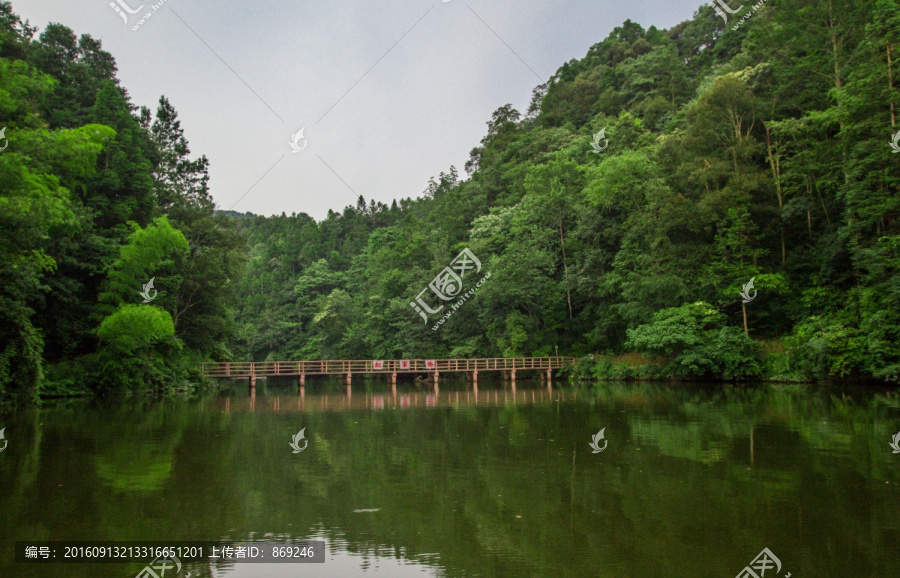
(698, 343)
(35, 208)
(138, 348)
(135, 326)
(829, 345)
(146, 252)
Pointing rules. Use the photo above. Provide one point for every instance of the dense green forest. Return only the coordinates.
(753, 149)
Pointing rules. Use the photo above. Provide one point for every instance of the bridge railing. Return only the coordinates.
(345, 366)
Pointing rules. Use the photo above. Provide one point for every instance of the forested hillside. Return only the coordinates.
(757, 149)
(757, 153)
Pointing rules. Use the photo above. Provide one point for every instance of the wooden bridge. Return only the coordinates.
(389, 367)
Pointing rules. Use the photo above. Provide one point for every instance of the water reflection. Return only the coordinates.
(392, 400)
(695, 480)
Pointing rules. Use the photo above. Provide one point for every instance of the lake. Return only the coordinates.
(692, 480)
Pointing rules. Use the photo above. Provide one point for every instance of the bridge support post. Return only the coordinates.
(550, 379)
(475, 379)
(252, 384)
(348, 378)
(436, 378)
(301, 381)
(394, 378)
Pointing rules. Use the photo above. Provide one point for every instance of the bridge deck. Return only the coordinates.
(389, 366)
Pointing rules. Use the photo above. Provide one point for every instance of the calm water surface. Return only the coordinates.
(695, 480)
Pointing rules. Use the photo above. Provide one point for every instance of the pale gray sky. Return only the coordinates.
(246, 75)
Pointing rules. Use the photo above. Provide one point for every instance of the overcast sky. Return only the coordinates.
(389, 92)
